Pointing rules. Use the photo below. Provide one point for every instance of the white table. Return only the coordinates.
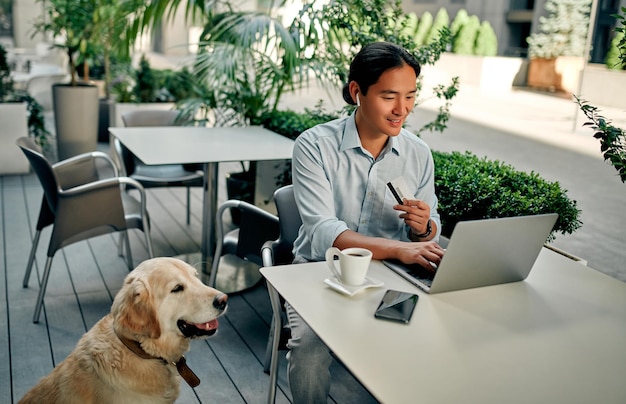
(189, 145)
(558, 337)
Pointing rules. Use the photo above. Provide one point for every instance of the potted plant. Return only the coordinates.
(109, 47)
(69, 24)
(557, 51)
(20, 115)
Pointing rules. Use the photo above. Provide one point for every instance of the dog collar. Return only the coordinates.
(181, 365)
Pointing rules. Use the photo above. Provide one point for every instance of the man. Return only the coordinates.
(340, 172)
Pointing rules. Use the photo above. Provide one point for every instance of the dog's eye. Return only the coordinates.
(178, 288)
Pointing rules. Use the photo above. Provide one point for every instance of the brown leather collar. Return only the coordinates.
(181, 365)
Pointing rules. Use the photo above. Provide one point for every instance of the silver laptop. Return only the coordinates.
(483, 253)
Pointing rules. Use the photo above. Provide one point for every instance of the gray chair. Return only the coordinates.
(80, 203)
(151, 176)
(240, 248)
(279, 252)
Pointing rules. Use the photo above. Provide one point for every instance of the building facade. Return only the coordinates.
(512, 20)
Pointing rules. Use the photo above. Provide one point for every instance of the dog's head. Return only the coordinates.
(163, 298)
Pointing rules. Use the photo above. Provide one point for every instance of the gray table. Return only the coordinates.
(210, 146)
(557, 337)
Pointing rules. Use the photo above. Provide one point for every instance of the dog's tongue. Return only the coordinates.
(211, 325)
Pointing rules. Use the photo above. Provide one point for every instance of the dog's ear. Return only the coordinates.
(133, 310)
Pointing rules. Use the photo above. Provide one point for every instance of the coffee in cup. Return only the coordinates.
(352, 265)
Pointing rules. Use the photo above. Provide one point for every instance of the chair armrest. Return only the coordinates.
(84, 168)
(75, 160)
(267, 253)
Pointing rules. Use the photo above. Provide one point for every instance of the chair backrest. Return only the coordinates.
(152, 117)
(289, 223)
(142, 118)
(42, 168)
(256, 227)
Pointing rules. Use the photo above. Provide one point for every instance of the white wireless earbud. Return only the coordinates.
(358, 101)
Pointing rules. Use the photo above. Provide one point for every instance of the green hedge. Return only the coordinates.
(469, 188)
(291, 124)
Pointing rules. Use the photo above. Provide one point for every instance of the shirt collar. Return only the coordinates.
(351, 138)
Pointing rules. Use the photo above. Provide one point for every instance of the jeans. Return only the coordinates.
(308, 362)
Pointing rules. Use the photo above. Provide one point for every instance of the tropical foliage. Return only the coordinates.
(146, 84)
(70, 24)
(252, 58)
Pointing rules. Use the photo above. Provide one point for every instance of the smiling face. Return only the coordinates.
(387, 103)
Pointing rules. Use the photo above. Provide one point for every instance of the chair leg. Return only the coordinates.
(129, 254)
(188, 206)
(268, 349)
(146, 233)
(31, 259)
(120, 249)
(276, 329)
(42, 290)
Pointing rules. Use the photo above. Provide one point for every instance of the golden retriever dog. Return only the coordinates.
(132, 354)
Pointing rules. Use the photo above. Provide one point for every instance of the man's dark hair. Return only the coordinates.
(372, 61)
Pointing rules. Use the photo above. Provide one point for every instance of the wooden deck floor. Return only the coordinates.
(84, 280)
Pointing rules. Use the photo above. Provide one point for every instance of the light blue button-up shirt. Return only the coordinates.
(339, 185)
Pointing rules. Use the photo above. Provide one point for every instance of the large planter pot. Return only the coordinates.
(76, 111)
(560, 74)
(14, 118)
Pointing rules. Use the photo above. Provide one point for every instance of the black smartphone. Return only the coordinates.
(396, 306)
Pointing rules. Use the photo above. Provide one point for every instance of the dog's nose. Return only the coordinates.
(220, 301)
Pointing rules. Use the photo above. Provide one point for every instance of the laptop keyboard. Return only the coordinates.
(418, 272)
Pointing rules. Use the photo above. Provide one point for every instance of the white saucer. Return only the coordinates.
(350, 290)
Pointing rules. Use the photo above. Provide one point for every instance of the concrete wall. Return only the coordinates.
(601, 86)
(488, 73)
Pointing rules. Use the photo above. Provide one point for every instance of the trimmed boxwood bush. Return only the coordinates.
(290, 123)
(469, 188)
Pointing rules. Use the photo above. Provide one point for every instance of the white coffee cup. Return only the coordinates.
(353, 264)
